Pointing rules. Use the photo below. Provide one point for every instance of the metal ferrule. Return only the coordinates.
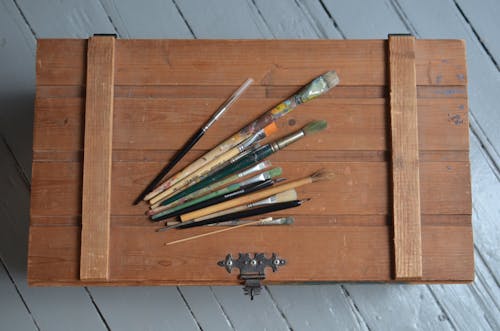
(259, 178)
(290, 139)
(257, 167)
(266, 201)
(256, 137)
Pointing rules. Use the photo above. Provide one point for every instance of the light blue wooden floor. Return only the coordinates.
(326, 307)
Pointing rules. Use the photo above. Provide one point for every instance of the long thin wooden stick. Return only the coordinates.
(217, 231)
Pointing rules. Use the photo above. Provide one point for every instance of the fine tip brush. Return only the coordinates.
(194, 139)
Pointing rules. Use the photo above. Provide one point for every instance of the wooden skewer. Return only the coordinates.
(217, 231)
(317, 176)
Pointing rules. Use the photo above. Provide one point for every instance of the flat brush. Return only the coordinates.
(286, 196)
(314, 89)
(245, 213)
(277, 221)
(212, 187)
(280, 197)
(214, 164)
(194, 139)
(252, 158)
(226, 190)
(225, 197)
(315, 177)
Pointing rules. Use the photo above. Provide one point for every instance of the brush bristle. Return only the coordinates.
(275, 172)
(331, 78)
(322, 174)
(285, 196)
(314, 127)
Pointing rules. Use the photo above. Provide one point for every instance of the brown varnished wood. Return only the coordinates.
(405, 158)
(337, 253)
(165, 88)
(97, 162)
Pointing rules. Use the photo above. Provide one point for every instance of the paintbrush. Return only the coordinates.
(252, 158)
(277, 221)
(288, 195)
(236, 225)
(212, 187)
(251, 149)
(314, 89)
(317, 176)
(244, 213)
(225, 197)
(226, 190)
(194, 139)
(205, 170)
(267, 221)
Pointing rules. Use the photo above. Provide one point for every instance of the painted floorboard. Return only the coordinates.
(259, 314)
(441, 19)
(207, 310)
(13, 312)
(17, 83)
(52, 308)
(156, 19)
(213, 19)
(484, 17)
(317, 307)
(143, 308)
(400, 307)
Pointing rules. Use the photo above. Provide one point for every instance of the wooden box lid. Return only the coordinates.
(398, 209)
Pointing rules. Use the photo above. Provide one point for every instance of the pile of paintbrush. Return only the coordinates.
(216, 189)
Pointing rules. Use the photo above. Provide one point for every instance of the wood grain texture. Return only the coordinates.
(355, 147)
(405, 158)
(96, 183)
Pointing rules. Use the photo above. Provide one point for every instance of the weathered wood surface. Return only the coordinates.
(405, 164)
(460, 307)
(97, 149)
(361, 194)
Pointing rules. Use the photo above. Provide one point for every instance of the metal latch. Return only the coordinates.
(252, 269)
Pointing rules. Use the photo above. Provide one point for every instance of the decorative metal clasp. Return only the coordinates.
(252, 269)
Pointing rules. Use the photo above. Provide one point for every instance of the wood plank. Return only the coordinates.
(354, 124)
(15, 315)
(317, 307)
(96, 184)
(483, 18)
(206, 308)
(269, 317)
(74, 307)
(139, 254)
(71, 19)
(17, 45)
(360, 187)
(405, 161)
(158, 19)
(170, 62)
(144, 308)
(483, 82)
(404, 307)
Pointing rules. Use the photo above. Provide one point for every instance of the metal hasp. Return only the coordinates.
(252, 269)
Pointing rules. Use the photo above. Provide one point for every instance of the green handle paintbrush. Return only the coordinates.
(252, 158)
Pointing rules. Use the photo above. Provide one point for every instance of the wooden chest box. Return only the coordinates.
(398, 209)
